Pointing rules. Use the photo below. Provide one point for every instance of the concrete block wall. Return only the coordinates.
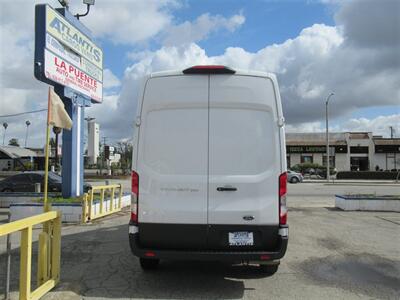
(71, 213)
(367, 204)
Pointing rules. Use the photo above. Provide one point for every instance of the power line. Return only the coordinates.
(23, 113)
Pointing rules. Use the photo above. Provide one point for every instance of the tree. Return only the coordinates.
(13, 142)
(125, 148)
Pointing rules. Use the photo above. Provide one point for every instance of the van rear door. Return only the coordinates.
(244, 162)
(172, 162)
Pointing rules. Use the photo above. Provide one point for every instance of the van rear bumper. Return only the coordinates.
(209, 254)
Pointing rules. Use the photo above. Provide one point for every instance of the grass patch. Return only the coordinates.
(372, 196)
(62, 200)
(96, 197)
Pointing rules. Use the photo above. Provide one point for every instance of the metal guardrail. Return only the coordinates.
(107, 204)
(48, 273)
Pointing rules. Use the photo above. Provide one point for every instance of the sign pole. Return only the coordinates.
(72, 144)
(46, 207)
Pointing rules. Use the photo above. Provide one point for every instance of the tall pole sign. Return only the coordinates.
(67, 58)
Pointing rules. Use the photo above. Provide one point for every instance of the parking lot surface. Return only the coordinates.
(332, 254)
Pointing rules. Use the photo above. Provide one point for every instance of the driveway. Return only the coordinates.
(332, 254)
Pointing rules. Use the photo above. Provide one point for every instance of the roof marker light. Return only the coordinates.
(209, 69)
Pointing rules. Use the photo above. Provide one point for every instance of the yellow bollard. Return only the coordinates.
(101, 201)
(25, 264)
(42, 275)
(112, 199)
(56, 249)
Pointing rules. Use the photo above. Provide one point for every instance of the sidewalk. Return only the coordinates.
(352, 182)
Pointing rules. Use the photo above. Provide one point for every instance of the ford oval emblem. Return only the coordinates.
(248, 218)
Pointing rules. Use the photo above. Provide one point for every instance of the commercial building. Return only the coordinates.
(93, 142)
(347, 150)
(17, 158)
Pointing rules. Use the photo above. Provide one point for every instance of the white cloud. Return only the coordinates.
(320, 60)
(206, 24)
(379, 125)
(110, 80)
(129, 22)
(305, 127)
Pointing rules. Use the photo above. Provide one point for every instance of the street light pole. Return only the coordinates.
(27, 130)
(327, 137)
(5, 125)
(57, 131)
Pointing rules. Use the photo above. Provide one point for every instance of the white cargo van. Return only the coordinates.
(209, 168)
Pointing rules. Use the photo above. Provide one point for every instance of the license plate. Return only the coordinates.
(241, 238)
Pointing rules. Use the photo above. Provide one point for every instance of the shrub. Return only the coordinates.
(367, 175)
(305, 167)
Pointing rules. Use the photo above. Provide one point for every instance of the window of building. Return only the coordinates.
(306, 159)
(359, 149)
(331, 161)
(288, 161)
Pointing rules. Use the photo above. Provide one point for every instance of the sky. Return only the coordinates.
(350, 48)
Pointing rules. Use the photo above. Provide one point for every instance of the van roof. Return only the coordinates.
(238, 72)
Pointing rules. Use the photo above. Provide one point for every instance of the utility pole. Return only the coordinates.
(327, 137)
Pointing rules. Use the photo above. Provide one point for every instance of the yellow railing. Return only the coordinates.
(48, 273)
(105, 194)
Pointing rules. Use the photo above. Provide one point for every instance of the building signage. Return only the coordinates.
(316, 149)
(70, 36)
(67, 74)
(387, 148)
(64, 55)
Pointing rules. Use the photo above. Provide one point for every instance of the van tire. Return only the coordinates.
(149, 263)
(269, 269)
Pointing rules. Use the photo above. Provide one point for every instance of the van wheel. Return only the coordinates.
(294, 180)
(149, 263)
(269, 269)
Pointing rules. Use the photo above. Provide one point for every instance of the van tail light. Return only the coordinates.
(134, 197)
(282, 199)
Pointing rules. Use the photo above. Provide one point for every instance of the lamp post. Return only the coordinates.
(57, 131)
(327, 137)
(5, 125)
(27, 130)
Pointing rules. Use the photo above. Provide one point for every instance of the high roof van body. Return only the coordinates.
(209, 168)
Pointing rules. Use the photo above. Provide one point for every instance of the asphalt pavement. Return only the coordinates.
(331, 254)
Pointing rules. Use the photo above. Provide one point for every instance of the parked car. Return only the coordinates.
(25, 182)
(209, 175)
(294, 177)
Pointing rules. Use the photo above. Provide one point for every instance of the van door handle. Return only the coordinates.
(226, 189)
